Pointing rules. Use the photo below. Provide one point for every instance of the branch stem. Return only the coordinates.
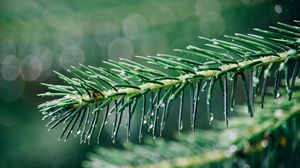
(203, 74)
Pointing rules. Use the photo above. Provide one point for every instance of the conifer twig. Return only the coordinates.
(164, 77)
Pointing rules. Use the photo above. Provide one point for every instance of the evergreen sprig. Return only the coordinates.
(90, 90)
(269, 140)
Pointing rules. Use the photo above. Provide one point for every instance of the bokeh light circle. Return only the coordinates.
(105, 33)
(31, 68)
(71, 55)
(10, 68)
(134, 25)
(120, 47)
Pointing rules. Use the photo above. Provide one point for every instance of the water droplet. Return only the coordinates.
(278, 113)
(233, 148)
(151, 126)
(163, 105)
(122, 73)
(211, 118)
(264, 143)
(277, 95)
(105, 123)
(192, 125)
(78, 132)
(231, 108)
(145, 122)
(255, 81)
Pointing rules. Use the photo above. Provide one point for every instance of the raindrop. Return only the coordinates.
(211, 118)
(181, 125)
(233, 148)
(123, 73)
(140, 138)
(255, 81)
(278, 113)
(264, 143)
(78, 132)
(277, 95)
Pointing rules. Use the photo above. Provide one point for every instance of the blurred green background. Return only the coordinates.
(39, 36)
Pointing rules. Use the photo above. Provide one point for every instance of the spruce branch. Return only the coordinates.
(261, 142)
(92, 90)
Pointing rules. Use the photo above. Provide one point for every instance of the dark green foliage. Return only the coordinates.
(90, 91)
(271, 139)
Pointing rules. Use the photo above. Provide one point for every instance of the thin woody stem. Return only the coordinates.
(84, 100)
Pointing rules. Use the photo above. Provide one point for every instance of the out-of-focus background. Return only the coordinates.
(39, 36)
